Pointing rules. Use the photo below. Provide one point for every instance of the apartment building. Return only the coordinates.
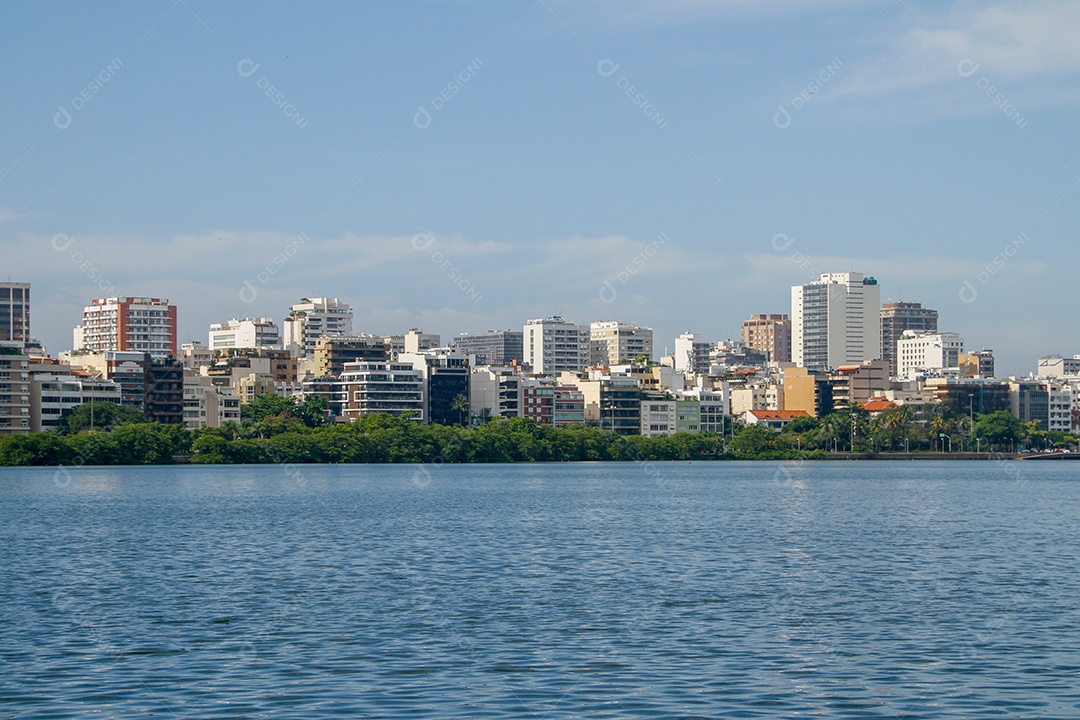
(494, 391)
(206, 405)
(14, 389)
(332, 353)
(612, 342)
(553, 345)
(247, 333)
(896, 317)
(921, 351)
(494, 347)
(14, 312)
(128, 324)
(311, 319)
(769, 333)
(55, 389)
(394, 388)
(835, 320)
(691, 353)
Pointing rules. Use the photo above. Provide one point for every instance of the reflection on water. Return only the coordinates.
(874, 589)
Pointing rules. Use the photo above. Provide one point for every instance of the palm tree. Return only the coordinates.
(461, 404)
(898, 418)
(833, 426)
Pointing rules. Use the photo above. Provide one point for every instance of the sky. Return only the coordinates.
(469, 165)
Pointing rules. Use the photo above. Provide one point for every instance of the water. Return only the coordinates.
(741, 590)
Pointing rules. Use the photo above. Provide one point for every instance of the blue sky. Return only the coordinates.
(460, 166)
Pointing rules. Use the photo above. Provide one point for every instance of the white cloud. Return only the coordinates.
(225, 254)
(891, 270)
(1007, 43)
(587, 262)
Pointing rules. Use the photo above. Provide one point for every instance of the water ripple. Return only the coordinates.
(944, 590)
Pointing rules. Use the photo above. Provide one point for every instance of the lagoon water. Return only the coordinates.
(712, 590)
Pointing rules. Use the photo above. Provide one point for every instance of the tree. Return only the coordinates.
(144, 444)
(998, 430)
(460, 403)
(1033, 435)
(312, 411)
(753, 441)
(44, 448)
(266, 406)
(897, 420)
(97, 415)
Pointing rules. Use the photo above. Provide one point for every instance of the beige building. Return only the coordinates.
(417, 341)
(250, 386)
(769, 333)
(15, 398)
(612, 342)
(206, 405)
(803, 391)
(331, 353)
(250, 373)
(195, 355)
(977, 364)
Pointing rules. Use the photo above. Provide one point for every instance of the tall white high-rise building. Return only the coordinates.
(553, 345)
(614, 341)
(311, 319)
(246, 333)
(835, 320)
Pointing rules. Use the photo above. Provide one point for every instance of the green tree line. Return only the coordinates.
(276, 430)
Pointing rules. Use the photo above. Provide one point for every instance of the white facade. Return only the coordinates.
(714, 404)
(313, 318)
(246, 333)
(1060, 407)
(658, 417)
(54, 392)
(835, 320)
(128, 324)
(1057, 366)
(691, 353)
(494, 391)
(759, 396)
(917, 351)
(1046, 402)
(416, 341)
(383, 387)
(614, 341)
(553, 345)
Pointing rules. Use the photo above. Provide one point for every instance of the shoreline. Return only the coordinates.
(841, 456)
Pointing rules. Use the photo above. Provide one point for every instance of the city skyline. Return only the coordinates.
(464, 168)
